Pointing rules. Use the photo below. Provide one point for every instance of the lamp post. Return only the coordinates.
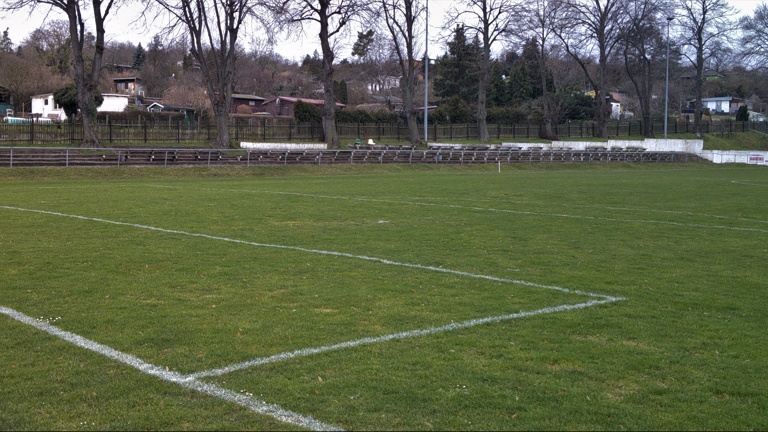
(426, 74)
(666, 90)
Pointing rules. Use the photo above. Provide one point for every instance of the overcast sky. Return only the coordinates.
(118, 26)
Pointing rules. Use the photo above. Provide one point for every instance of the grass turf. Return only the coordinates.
(685, 244)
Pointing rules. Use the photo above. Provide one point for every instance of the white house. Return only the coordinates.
(724, 104)
(44, 106)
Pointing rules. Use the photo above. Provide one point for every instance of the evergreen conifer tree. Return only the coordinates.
(139, 57)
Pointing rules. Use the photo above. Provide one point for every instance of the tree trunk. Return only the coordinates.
(410, 115)
(546, 101)
(482, 94)
(82, 83)
(329, 105)
(698, 88)
(222, 127)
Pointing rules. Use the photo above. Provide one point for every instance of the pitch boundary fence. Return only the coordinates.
(184, 134)
(71, 157)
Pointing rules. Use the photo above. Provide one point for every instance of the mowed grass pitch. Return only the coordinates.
(192, 270)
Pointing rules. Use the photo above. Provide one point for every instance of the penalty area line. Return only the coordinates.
(395, 336)
(186, 381)
(315, 251)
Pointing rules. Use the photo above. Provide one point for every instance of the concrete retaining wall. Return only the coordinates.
(282, 146)
(661, 145)
(733, 156)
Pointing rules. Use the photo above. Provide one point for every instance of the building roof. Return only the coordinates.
(130, 78)
(168, 107)
(294, 100)
(247, 97)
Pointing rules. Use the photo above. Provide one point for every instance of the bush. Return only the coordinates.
(364, 116)
(307, 113)
(134, 115)
(244, 109)
(579, 106)
(455, 111)
(742, 114)
(506, 115)
(354, 116)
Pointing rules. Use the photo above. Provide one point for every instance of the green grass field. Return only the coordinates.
(581, 297)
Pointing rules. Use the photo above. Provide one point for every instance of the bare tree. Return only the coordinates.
(14, 76)
(213, 28)
(590, 30)
(332, 16)
(536, 20)
(704, 25)
(86, 81)
(401, 18)
(643, 47)
(489, 20)
(754, 40)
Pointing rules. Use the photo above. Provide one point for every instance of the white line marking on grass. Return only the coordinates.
(603, 207)
(408, 334)
(314, 251)
(489, 209)
(394, 336)
(749, 182)
(185, 381)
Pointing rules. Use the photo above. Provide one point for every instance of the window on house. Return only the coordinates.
(45, 102)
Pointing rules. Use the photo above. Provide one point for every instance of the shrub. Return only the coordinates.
(455, 111)
(244, 109)
(742, 114)
(307, 113)
(506, 115)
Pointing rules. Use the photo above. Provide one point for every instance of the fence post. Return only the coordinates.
(145, 132)
(32, 132)
(290, 130)
(109, 128)
(178, 131)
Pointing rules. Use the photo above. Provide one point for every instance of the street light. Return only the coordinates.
(666, 91)
(426, 73)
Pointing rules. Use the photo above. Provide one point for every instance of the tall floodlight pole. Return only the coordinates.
(666, 91)
(426, 74)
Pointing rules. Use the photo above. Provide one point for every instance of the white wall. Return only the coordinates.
(113, 103)
(282, 146)
(676, 145)
(733, 156)
(48, 110)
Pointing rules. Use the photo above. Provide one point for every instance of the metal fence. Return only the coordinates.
(163, 157)
(180, 134)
